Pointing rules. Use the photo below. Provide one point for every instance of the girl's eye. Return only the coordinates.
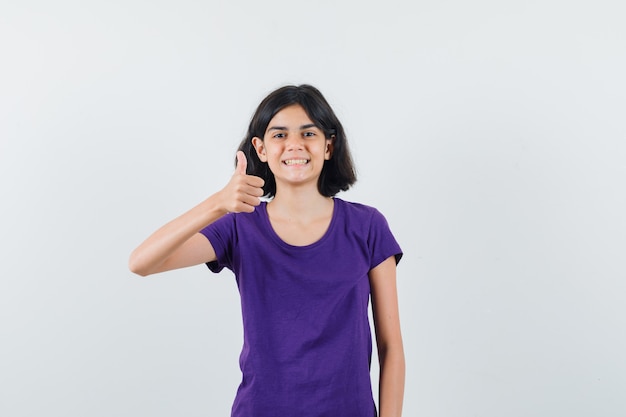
(309, 134)
(279, 135)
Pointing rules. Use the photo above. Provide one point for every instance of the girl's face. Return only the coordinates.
(293, 147)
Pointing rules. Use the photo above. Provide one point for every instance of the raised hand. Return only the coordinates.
(241, 194)
(178, 244)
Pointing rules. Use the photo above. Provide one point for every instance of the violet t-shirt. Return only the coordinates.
(306, 344)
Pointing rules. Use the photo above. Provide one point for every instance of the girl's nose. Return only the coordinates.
(294, 142)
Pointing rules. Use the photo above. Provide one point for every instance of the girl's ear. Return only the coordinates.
(328, 153)
(259, 146)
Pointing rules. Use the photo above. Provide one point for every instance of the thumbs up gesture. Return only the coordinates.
(241, 194)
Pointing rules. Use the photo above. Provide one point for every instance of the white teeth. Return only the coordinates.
(296, 161)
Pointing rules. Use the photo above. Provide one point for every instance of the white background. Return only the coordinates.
(491, 134)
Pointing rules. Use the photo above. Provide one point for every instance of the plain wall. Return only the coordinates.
(490, 134)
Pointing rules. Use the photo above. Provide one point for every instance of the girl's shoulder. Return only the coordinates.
(358, 211)
(352, 206)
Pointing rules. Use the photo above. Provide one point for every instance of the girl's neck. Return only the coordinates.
(293, 203)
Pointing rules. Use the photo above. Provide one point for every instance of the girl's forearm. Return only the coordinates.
(154, 251)
(391, 386)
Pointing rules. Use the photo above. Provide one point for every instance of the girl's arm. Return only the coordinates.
(388, 338)
(178, 243)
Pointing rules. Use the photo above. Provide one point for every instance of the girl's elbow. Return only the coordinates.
(394, 348)
(136, 267)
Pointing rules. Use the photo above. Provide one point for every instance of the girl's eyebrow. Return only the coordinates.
(303, 127)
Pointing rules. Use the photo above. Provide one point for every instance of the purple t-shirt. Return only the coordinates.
(307, 344)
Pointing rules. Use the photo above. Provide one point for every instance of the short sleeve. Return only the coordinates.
(381, 241)
(221, 234)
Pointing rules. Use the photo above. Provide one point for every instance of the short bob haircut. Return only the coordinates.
(338, 173)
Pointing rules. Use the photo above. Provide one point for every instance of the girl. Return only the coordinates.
(305, 263)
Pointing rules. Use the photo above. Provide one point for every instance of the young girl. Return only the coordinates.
(305, 263)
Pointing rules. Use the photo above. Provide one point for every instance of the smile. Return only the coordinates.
(296, 161)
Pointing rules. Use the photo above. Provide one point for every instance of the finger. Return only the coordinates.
(255, 181)
(251, 200)
(242, 163)
(252, 190)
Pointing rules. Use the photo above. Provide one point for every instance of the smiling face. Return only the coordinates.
(293, 147)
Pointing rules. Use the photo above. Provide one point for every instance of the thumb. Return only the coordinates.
(242, 163)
